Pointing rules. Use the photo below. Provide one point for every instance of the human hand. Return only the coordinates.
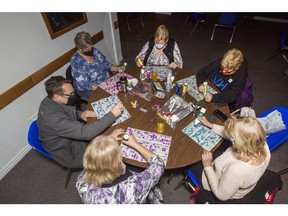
(116, 68)
(116, 133)
(131, 141)
(87, 114)
(138, 64)
(201, 88)
(205, 122)
(207, 158)
(208, 97)
(117, 109)
(94, 87)
(173, 65)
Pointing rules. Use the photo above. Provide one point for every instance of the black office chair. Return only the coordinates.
(226, 20)
(80, 102)
(263, 193)
(36, 144)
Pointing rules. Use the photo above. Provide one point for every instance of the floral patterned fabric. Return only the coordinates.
(136, 189)
(86, 74)
(155, 59)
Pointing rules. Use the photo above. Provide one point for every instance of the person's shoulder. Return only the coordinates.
(75, 56)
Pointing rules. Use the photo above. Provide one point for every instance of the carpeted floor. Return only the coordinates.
(36, 179)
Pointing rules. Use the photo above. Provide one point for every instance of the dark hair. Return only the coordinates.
(54, 85)
(82, 40)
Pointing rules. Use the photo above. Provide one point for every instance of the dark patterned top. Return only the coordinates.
(156, 59)
(137, 188)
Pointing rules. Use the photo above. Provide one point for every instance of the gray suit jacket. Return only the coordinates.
(64, 136)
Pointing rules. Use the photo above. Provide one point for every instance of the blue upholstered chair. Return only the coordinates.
(36, 144)
(130, 16)
(226, 20)
(283, 45)
(195, 17)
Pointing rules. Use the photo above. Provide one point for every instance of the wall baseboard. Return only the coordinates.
(14, 161)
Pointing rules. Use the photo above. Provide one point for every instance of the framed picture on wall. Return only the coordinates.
(60, 23)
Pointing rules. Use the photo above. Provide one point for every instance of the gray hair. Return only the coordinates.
(82, 40)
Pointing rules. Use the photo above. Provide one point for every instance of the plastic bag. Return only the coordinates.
(175, 106)
(273, 122)
(245, 112)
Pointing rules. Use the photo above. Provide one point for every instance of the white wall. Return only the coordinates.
(25, 48)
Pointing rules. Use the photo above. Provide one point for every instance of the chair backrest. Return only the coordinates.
(197, 16)
(33, 139)
(276, 139)
(227, 19)
(263, 193)
(69, 73)
(284, 38)
(246, 97)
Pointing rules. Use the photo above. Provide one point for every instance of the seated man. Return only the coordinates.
(89, 66)
(62, 128)
(228, 74)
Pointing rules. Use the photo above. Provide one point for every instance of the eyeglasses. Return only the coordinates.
(68, 95)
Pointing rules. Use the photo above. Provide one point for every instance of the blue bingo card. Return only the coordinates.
(202, 135)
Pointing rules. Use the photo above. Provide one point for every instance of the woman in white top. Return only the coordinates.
(235, 173)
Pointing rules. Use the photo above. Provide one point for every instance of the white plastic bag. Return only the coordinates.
(245, 112)
(273, 122)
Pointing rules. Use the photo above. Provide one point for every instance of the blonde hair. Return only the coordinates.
(162, 33)
(232, 59)
(248, 137)
(102, 161)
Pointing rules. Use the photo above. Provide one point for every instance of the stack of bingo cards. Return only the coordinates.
(192, 88)
(156, 143)
(102, 107)
(202, 135)
(110, 86)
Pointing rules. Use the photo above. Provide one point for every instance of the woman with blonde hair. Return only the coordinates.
(235, 173)
(228, 74)
(161, 50)
(106, 180)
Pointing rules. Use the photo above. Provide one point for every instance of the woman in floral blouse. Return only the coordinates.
(89, 66)
(106, 180)
(161, 50)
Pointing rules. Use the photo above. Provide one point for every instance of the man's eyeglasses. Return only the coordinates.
(68, 95)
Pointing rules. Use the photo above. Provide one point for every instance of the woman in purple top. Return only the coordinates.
(89, 66)
(105, 179)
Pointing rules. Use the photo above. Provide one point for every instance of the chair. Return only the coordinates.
(79, 101)
(283, 45)
(36, 144)
(195, 17)
(226, 20)
(263, 193)
(131, 16)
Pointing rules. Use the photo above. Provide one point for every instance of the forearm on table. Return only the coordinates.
(219, 129)
(147, 154)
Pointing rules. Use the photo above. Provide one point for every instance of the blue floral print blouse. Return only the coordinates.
(86, 74)
(136, 189)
